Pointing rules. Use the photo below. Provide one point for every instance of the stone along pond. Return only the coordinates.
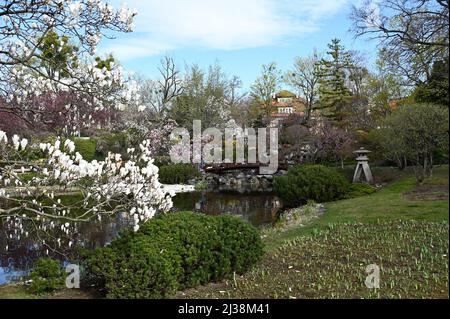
(258, 208)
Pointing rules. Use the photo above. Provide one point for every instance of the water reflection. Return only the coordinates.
(256, 208)
(18, 255)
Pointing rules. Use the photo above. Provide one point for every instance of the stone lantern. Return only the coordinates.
(362, 168)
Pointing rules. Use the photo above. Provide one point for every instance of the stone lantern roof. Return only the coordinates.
(362, 151)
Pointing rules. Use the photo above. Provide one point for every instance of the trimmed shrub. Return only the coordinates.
(47, 276)
(86, 147)
(162, 161)
(134, 268)
(178, 173)
(175, 251)
(242, 244)
(194, 238)
(310, 182)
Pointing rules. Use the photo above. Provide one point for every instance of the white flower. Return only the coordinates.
(3, 137)
(69, 145)
(23, 143)
(74, 9)
(15, 140)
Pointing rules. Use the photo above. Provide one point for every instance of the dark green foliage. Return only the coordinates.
(57, 54)
(86, 147)
(114, 143)
(310, 182)
(360, 189)
(173, 252)
(47, 276)
(194, 238)
(241, 243)
(435, 90)
(106, 63)
(134, 267)
(162, 160)
(178, 173)
(334, 94)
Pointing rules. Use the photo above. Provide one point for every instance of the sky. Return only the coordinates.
(240, 35)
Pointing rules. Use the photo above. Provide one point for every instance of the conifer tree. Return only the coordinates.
(333, 92)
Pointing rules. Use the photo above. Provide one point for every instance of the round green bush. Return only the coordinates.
(47, 276)
(242, 245)
(178, 173)
(135, 268)
(194, 239)
(175, 251)
(310, 182)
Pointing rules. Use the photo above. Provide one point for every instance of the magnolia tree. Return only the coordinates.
(45, 53)
(24, 24)
(102, 188)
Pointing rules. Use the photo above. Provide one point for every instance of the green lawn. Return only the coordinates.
(412, 257)
(15, 292)
(390, 203)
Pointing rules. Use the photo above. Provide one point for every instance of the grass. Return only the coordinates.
(390, 203)
(412, 257)
(15, 292)
(21, 292)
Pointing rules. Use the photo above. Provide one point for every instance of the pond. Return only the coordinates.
(258, 208)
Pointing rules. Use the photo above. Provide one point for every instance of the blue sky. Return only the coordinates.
(240, 35)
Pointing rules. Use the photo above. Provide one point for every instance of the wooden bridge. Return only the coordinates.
(223, 167)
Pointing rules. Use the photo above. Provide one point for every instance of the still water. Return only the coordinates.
(257, 208)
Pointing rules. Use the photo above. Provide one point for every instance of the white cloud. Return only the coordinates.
(219, 24)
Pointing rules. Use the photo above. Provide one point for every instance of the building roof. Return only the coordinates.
(285, 94)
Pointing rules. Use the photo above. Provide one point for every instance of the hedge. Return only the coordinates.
(310, 182)
(178, 173)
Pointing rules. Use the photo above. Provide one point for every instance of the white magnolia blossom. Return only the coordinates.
(83, 20)
(84, 23)
(107, 187)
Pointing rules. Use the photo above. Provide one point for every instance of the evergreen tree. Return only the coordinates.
(333, 93)
(435, 90)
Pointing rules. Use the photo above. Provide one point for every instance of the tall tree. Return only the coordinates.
(305, 78)
(435, 89)
(206, 96)
(265, 86)
(383, 88)
(333, 92)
